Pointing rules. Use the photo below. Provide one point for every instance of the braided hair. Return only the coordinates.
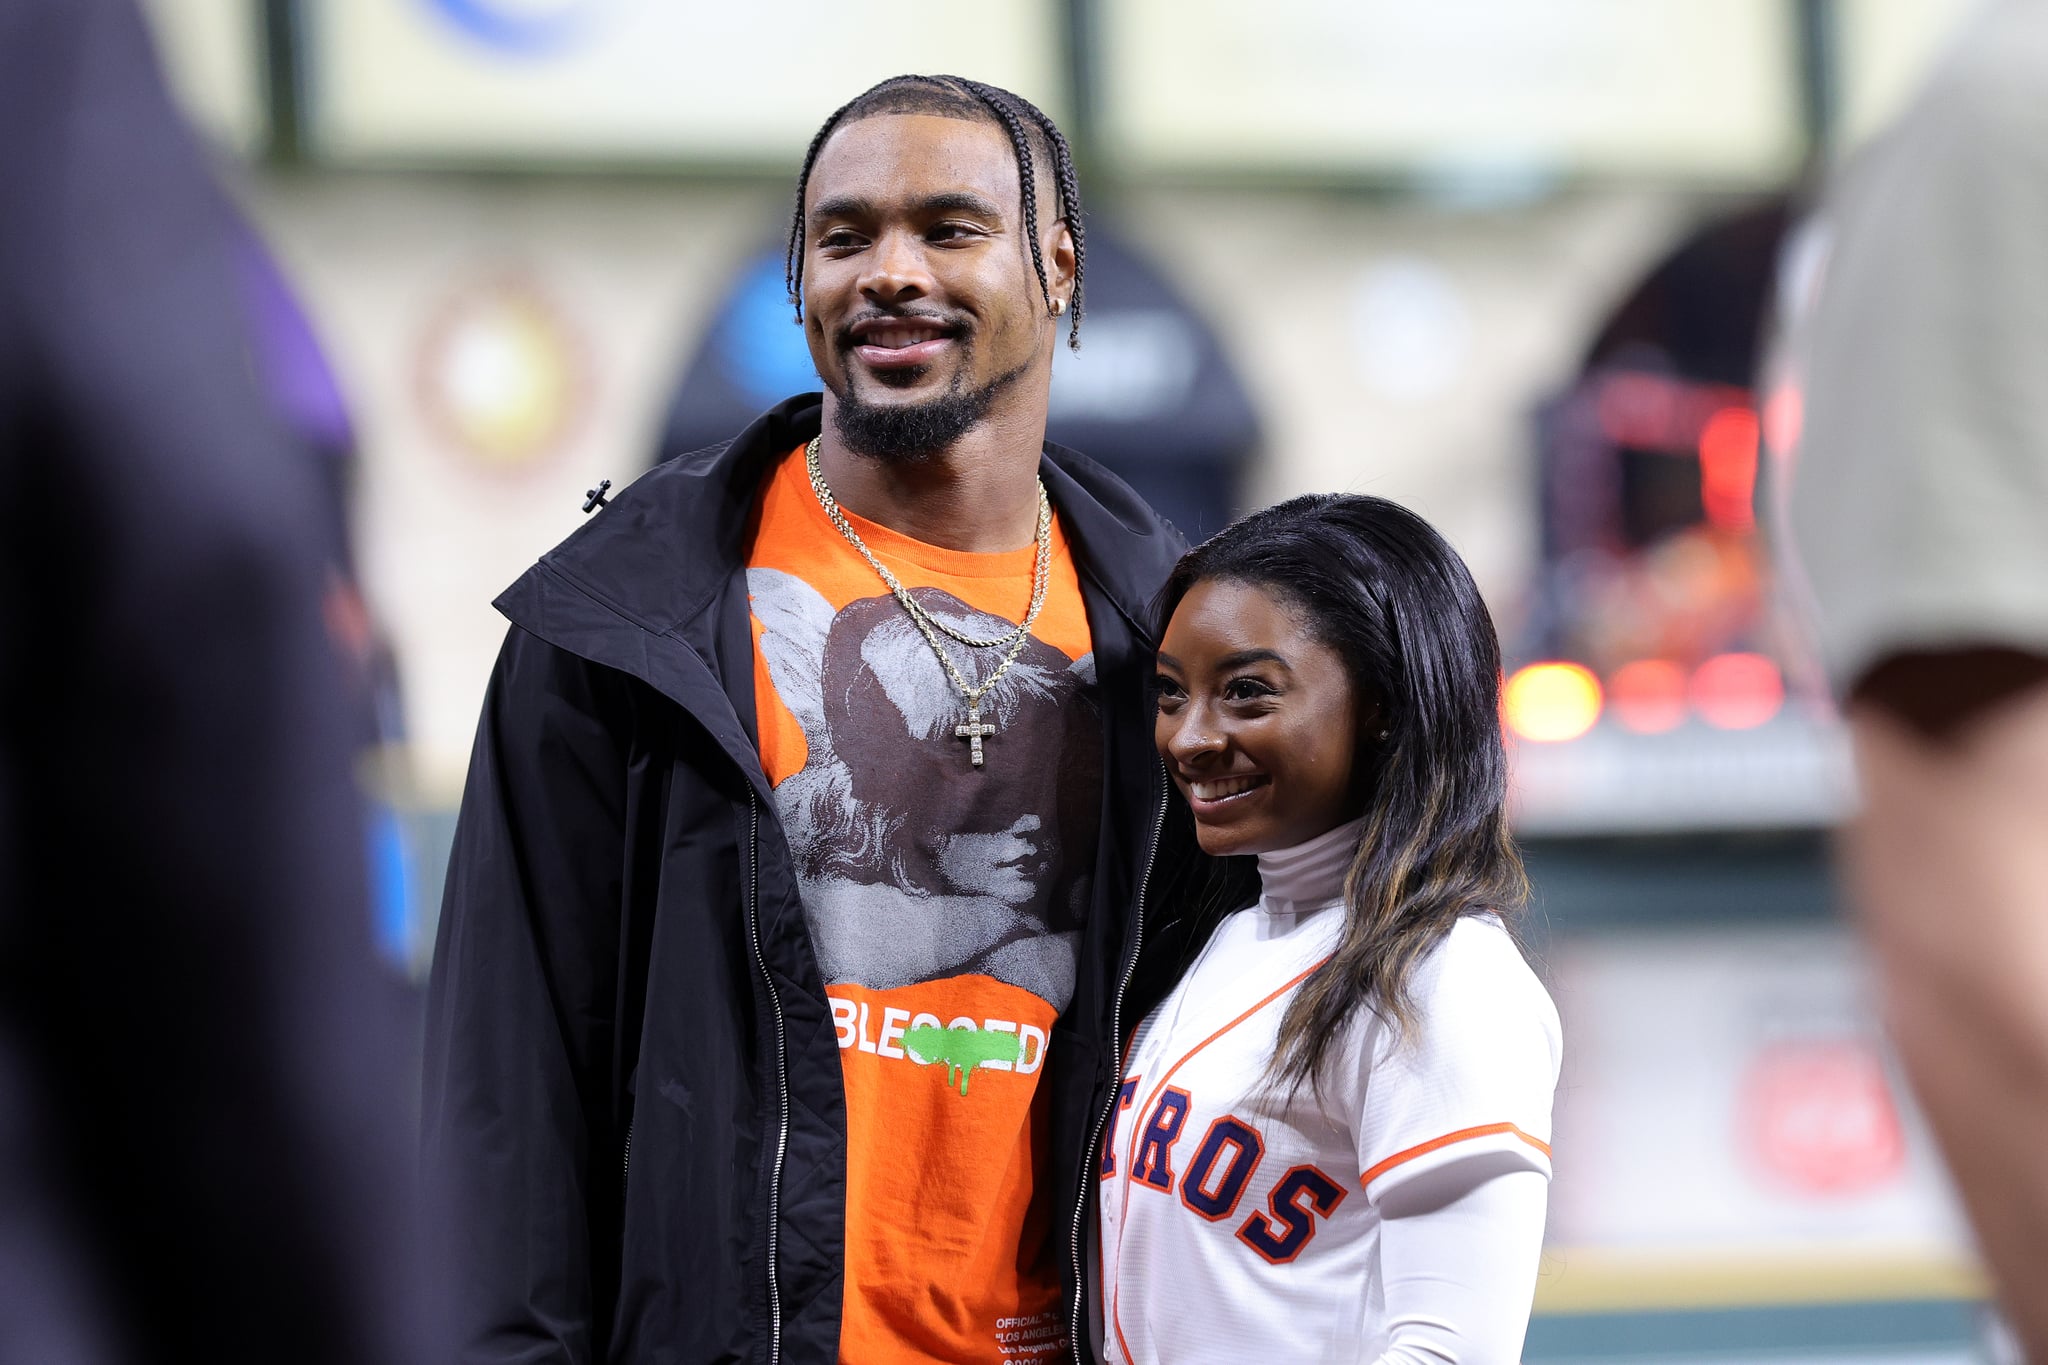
(957, 97)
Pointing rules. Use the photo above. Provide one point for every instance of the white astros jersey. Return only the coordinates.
(1240, 1224)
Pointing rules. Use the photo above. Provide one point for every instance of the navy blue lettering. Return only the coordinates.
(1154, 1165)
(1280, 1233)
(1218, 1200)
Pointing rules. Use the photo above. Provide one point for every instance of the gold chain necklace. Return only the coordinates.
(975, 729)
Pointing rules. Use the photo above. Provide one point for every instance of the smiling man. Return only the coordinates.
(791, 907)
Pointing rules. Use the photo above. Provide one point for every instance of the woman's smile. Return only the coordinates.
(1257, 719)
(1216, 792)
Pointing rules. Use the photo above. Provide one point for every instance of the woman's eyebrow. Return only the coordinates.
(1240, 659)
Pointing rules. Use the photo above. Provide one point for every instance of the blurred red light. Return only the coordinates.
(1737, 691)
(1648, 696)
(1550, 702)
(1728, 447)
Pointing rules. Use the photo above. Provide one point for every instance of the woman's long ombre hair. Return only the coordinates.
(1377, 584)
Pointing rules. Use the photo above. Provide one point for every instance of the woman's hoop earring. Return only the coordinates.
(1059, 306)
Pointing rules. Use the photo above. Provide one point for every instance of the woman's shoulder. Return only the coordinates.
(1477, 983)
(1474, 1075)
(1478, 945)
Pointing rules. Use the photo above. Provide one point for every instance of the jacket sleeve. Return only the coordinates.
(517, 1117)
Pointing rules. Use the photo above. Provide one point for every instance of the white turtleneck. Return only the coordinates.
(1392, 1214)
(1309, 876)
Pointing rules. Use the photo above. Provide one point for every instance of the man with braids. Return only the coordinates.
(791, 907)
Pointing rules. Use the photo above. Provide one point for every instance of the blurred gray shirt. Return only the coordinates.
(1920, 502)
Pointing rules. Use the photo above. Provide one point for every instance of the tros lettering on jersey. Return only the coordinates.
(1213, 1182)
(961, 1045)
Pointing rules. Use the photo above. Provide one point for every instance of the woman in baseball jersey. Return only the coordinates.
(1330, 1142)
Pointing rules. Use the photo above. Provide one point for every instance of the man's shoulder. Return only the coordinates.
(1111, 493)
(664, 544)
(1130, 547)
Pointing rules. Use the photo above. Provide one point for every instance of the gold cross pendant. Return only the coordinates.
(973, 732)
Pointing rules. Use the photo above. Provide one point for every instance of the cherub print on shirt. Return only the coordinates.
(915, 865)
(944, 902)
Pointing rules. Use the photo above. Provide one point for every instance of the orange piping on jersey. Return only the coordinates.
(1463, 1134)
(1129, 1359)
(1131, 1149)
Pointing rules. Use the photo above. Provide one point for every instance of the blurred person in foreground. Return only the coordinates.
(1920, 512)
(780, 968)
(202, 1149)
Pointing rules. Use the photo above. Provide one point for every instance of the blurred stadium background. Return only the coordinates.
(1514, 263)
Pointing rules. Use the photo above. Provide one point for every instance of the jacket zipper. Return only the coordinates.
(781, 1078)
(1116, 1033)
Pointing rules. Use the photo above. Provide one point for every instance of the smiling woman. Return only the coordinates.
(1350, 669)
(1257, 717)
(1328, 700)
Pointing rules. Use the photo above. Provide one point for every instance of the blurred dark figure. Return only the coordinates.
(292, 370)
(1921, 514)
(202, 1153)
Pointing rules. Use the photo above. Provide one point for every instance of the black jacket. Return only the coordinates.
(633, 1080)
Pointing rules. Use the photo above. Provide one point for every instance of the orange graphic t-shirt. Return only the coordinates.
(944, 902)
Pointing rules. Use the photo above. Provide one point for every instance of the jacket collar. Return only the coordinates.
(668, 544)
(636, 587)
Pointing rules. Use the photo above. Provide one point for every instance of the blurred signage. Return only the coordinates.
(1139, 364)
(1666, 702)
(212, 52)
(1790, 772)
(1821, 1117)
(535, 26)
(1729, 1116)
(1693, 88)
(756, 343)
(500, 373)
(1883, 50)
(638, 80)
(1659, 684)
